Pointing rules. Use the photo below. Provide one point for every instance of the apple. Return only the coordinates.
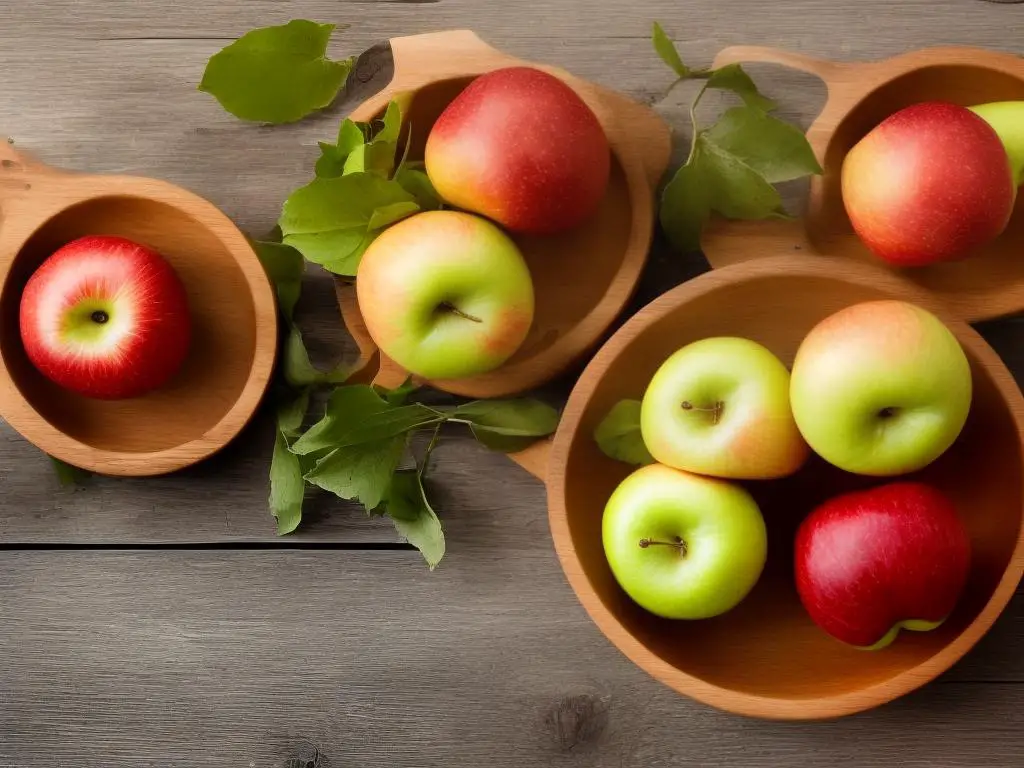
(683, 546)
(880, 388)
(519, 146)
(720, 406)
(930, 183)
(445, 294)
(1007, 119)
(106, 317)
(870, 563)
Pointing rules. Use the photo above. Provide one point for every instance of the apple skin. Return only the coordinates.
(929, 184)
(751, 436)
(417, 277)
(519, 146)
(870, 563)
(880, 388)
(719, 523)
(106, 317)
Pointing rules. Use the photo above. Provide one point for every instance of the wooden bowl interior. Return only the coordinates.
(573, 271)
(224, 330)
(994, 265)
(768, 646)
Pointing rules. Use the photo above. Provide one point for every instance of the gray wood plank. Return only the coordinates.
(246, 658)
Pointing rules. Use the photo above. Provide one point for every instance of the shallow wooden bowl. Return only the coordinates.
(988, 284)
(766, 658)
(583, 278)
(231, 300)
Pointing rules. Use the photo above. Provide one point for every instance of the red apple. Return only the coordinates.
(870, 563)
(519, 146)
(930, 183)
(105, 317)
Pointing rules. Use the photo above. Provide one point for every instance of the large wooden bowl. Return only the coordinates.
(230, 298)
(766, 658)
(583, 278)
(987, 284)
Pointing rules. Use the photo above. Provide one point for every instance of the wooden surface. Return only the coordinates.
(212, 642)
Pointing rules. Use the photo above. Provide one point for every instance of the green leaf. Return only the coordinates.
(292, 413)
(361, 472)
(328, 220)
(618, 435)
(666, 49)
(507, 425)
(418, 184)
(733, 78)
(286, 486)
(387, 215)
(299, 371)
(284, 266)
(391, 125)
(276, 74)
(414, 518)
(775, 149)
(735, 189)
(685, 208)
(67, 474)
(371, 158)
(398, 395)
(357, 414)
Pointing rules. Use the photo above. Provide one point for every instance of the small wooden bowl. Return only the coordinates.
(988, 284)
(583, 278)
(766, 658)
(231, 300)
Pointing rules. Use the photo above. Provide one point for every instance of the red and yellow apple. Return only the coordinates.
(880, 388)
(720, 406)
(105, 317)
(520, 147)
(445, 294)
(869, 563)
(930, 183)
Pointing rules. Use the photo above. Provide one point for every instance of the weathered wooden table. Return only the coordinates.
(161, 623)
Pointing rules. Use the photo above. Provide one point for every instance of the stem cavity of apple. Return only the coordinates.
(99, 317)
(447, 306)
(676, 543)
(715, 410)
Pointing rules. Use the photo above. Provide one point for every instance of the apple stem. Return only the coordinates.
(678, 543)
(715, 410)
(449, 307)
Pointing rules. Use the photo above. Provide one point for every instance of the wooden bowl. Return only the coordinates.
(988, 284)
(230, 297)
(766, 658)
(583, 278)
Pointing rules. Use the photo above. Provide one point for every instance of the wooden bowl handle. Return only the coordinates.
(829, 72)
(535, 458)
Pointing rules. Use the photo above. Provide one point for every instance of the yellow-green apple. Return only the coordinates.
(445, 294)
(521, 147)
(683, 546)
(1007, 119)
(105, 317)
(929, 183)
(720, 406)
(873, 562)
(880, 388)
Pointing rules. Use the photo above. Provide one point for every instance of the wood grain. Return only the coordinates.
(185, 659)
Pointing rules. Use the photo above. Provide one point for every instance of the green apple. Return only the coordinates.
(881, 388)
(683, 546)
(445, 294)
(720, 406)
(1007, 120)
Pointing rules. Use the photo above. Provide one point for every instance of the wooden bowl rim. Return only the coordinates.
(26, 420)
(640, 179)
(752, 705)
